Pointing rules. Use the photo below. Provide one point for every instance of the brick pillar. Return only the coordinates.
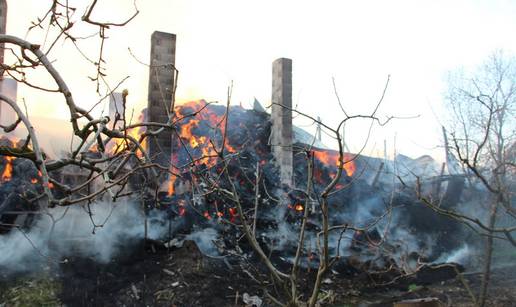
(281, 117)
(161, 85)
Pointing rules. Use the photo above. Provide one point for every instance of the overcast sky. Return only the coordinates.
(359, 43)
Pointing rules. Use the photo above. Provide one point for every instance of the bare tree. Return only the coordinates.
(483, 134)
(110, 154)
(288, 283)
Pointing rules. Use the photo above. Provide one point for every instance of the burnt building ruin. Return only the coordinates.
(281, 117)
(161, 87)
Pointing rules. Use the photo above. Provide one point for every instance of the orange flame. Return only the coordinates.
(7, 174)
(171, 182)
(118, 145)
(203, 144)
(331, 159)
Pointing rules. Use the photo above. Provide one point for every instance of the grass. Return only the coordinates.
(33, 292)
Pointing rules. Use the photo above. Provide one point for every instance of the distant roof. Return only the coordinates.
(302, 136)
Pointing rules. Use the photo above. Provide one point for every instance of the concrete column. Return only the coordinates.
(161, 85)
(116, 106)
(3, 24)
(281, 117)
(8, 87)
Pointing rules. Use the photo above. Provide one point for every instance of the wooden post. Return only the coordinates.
(438, 182)
(256, 196)
(377, 176)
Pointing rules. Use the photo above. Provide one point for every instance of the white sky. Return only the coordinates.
(358, 42)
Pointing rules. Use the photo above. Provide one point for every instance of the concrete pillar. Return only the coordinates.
(281, 117)
(3, 24)
(8, 87)
(161, 86)
(318, 130)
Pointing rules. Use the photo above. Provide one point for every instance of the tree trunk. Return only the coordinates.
(486, 276)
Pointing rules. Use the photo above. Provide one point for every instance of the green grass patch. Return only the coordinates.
(33, 292)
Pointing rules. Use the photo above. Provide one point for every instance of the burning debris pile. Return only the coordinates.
(384, 232)
(19, 185)
(195, 199)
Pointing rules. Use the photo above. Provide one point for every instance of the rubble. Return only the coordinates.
(83, 282)
(195, 209)
(252, 301)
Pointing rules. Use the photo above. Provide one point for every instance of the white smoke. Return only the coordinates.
(461, 256)
(205, 239)
(74, 234)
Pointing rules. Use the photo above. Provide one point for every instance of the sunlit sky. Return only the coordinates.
(359, 43)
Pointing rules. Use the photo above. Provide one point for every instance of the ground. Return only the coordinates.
(154, 276)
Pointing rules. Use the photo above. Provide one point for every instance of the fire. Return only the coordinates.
(196, 142)
(331, 159)
(171, 182)
(8, 170)
(201, 129)
(7, 174)
(118, 145)
(186, 129)
(181, 207)
(182, 211)
(297, 207)
(324, 157)
(230, 148)
(233, 213)
(36, 180)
